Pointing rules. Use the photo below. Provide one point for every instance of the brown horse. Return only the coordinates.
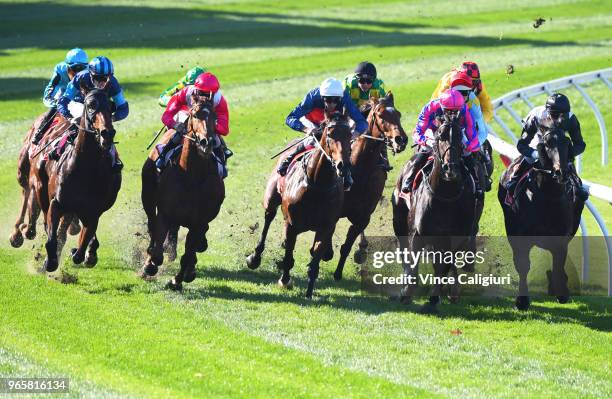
(80, 183)
(443, 212)
(546, 215)
(311, 198)
(384, 128)
(28, 155)
(189, 194)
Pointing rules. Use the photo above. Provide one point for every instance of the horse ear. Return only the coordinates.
(390, 98)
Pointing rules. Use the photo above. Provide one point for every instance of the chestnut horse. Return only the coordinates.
(28, 155)
(189, 194)
(443, 213)
(311, 198)
(546, 215)
(80, 183)
(384, 128)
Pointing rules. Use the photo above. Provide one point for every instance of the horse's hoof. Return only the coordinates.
(77, 257)
(405, 300)
(328, 255)
(563, 299)
(253, 261)
(308, 295)
(158, 260)
(91, 259)
(16, 240)
(203, 246)
(429, 308)
(360, 256)
(150, 269)
(338, 275)
(188, 277)
(50, 265)
(522, 302)
(174, 286)
(74, 228)
(30, 234)
(288, 285)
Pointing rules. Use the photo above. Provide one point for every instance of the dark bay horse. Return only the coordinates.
(384, 128)
(546, 214)
(311, 198)
(442, 210)
(189, 194)
(28, 155)
(80, 183)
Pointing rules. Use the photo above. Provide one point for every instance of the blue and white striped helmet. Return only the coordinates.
(101, 66)
(76, 56)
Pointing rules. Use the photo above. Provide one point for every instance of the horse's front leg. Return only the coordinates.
(411, 270)
(90, 225)
(520, 256)
(557, 280)
(345, 249)
(156, 246)
(431, 307)
(53, 217)
(29, 230)
(288, 260)
(322, 242)
(361, 253)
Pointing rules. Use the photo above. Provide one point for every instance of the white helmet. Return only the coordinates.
(331, 88)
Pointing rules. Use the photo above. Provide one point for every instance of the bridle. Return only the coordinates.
(374, 122)
(191, 133)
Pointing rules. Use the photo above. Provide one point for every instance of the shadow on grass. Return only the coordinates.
(34, 25)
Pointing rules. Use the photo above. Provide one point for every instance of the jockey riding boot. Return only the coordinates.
(468, 161)
(44, 125)
(417, 164)
(284, 165)
(172, 143)
(383, 161)
(488, 164)
(581, 192)
(227, 153)
(117, 165)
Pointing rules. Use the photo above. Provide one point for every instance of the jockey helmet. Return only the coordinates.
(558, 102)
(193, 74)
(331, 88)
(366, 69)
(461, 81)
(452, 100)
(207, 82)
(76, 56)
(100, 71)
(471, 68)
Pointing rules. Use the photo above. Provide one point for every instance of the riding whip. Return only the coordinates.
(156, 136)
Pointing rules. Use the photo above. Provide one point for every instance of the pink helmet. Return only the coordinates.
(207, 82)
(452, 99)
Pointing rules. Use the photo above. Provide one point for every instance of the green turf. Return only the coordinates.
(233, 332)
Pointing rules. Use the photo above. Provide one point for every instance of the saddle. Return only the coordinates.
(298, 157)
(173, 156)
(417, 179)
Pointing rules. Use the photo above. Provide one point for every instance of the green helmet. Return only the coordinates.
(193, 74)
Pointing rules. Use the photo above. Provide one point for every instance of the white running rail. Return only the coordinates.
(504, 103)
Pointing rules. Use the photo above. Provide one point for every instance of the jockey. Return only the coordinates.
(75, 62)
(189, 79)
(471, 68)
(463, 83)
(361, 86)
(98, 75)
(308, 115)
(554, 114)
(206, 86)
(451, 101)
(364, 84)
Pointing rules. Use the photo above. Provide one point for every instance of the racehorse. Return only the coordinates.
(81, 183)
(384, 128)
(28, 155)
(311, 196)
(545, 213)
(189, 194)
(442, 212)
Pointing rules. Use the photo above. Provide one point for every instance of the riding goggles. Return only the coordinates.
(331, 100)
(365, 80)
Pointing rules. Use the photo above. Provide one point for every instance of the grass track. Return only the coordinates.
(232, 332)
